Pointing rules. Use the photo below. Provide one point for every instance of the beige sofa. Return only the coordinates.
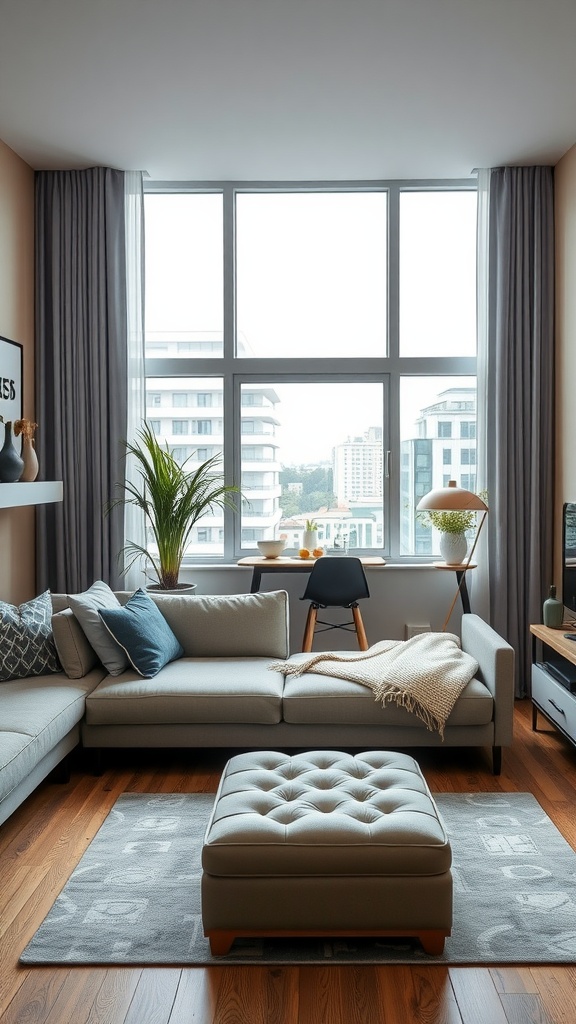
(221, 693)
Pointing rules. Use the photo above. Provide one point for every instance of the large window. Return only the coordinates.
(322, 341)
(310, 273)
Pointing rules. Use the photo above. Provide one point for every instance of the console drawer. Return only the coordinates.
(555, 700)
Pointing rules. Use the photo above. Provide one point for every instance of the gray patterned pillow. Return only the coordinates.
(26, 643)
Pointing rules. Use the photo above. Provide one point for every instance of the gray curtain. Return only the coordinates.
(81, 372)
(520, 402)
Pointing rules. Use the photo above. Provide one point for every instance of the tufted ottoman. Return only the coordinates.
(325, 843)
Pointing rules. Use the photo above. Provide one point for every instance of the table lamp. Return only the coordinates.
(455, 499)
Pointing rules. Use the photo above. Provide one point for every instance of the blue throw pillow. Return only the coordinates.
(143, 633)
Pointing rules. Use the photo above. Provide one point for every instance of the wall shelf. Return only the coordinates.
(38, 493)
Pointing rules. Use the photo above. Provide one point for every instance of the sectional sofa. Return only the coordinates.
(219, 691)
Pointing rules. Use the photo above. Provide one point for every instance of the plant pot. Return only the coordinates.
(453, 547)
(310, 539)
(182, 588)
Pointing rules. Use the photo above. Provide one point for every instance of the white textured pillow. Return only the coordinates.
(85, 607)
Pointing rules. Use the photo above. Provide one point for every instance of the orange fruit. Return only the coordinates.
(318, 552)
(304, 553)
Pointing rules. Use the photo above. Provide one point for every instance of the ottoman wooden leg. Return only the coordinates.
(220, 942)
(432, 942)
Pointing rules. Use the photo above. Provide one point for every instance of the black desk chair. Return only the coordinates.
(335, 583)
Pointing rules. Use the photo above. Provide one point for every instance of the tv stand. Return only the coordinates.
(554, 679)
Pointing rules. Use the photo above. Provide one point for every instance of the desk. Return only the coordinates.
(264, 565)
(460, 571)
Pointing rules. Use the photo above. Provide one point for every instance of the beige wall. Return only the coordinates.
(17, 566)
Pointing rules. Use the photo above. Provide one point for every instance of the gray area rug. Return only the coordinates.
(135, 896)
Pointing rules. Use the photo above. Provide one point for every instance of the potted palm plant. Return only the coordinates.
(173, 498)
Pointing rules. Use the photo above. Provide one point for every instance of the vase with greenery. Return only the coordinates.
(310, 535)
(28, 452)
(453, 526)
(173, 498)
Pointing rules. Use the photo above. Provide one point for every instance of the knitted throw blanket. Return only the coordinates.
(425, 674)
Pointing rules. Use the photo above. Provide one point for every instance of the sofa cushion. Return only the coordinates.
(76, 655)
(214, 690)
(26, 642)
(230, 625)
(143, 633)
(36, 714)
(316, 699)
(85, 607)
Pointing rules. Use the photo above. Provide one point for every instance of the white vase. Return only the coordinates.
(453, 547)
(30, 459)
(310, 539)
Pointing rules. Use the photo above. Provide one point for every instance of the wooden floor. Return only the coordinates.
(43, 840)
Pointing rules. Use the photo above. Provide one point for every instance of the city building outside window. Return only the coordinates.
(328, 335)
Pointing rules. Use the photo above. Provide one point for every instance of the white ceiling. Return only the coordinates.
(288, 89)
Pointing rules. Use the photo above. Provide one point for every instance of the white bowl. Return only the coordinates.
(271, 548)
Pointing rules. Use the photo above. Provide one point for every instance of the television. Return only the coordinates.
(558, 666)
(569, 556)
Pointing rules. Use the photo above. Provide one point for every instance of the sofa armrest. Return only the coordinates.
(495, 659)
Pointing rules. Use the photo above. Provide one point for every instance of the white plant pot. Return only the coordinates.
(310, 540)
(453, 548)
(182, 588)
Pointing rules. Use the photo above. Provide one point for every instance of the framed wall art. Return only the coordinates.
(10, 380)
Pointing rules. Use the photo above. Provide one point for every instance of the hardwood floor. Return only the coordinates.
(43, 840)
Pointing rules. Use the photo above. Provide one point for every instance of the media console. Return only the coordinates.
(554, 679)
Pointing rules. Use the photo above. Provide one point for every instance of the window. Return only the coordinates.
(180, 426)
(325, 339)
(181, 399)
(310, 267)
(202, 426)
(437, 273)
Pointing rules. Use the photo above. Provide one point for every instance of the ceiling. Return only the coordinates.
(288, 89)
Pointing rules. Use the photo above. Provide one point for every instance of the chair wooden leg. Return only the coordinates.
(309, 629)
(360, 631)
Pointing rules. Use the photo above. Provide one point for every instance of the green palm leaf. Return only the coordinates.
(172, 499)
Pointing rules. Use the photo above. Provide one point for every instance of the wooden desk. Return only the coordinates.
(261, 565)
(461, 580)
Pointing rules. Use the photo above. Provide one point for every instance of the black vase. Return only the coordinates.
(11, 465)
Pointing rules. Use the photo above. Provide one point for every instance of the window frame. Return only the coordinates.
(387, 369)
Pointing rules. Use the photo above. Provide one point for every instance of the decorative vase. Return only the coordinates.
(310, 539)
(453, 548)
(30, 459)
(553, 611)
(11, 465)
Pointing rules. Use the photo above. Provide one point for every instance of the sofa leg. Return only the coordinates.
(62, 771)
(496, 760)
